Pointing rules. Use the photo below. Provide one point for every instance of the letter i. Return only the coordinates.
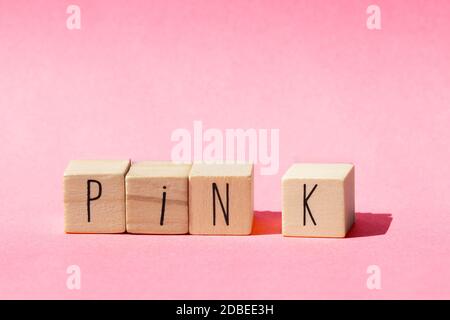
(163, 207)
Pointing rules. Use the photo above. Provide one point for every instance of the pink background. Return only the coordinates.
(137, 70)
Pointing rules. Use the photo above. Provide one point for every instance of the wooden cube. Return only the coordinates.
(94, 196)
(318, 200)
(157, 198)
(221, 199)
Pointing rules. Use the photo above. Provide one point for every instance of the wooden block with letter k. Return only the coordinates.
(221, 199)
(318, 200)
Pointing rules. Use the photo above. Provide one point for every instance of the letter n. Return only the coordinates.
(225, 209)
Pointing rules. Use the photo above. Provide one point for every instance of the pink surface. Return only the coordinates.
(137, 70)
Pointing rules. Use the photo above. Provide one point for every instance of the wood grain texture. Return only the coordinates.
(318, 200)
(149, 211)
(105, 214)
(208, 182)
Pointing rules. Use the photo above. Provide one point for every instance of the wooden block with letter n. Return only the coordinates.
(221, 199)
(157, 198)
(318, 200)
(94, 196)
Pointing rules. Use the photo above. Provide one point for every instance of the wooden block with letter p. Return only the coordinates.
(94, 196)
(221, 199)
(157, 198)
(318, 200)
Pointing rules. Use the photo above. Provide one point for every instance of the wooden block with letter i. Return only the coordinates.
(94, 196)
(157, 198)
(221, 199)
(318, 200)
